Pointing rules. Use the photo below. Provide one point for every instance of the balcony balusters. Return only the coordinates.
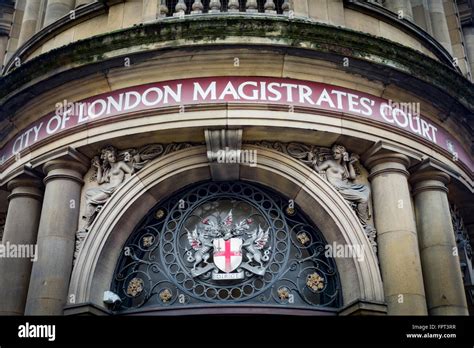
(197, 6)
(214, 6)
(269, 6)
(163, 9)
(233, 6)
(286, 7)
(252, 6)
(180, 8)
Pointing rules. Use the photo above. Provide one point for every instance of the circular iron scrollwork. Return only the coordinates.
(226, 243)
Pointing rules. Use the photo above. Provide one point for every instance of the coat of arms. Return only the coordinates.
(227, 249)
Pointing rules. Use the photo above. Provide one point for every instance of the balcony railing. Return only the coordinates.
(170, 8)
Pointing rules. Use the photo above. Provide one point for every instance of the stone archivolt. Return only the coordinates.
(339, 168)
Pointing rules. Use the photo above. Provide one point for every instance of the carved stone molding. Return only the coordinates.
(112, 168)
(340, 169)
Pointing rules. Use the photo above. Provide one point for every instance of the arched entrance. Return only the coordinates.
(226, 244)
(321, 204)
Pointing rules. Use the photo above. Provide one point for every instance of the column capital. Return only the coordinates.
(27, 184)
(64, 168)
(430, 175)
(384, 157)
(387, 162)
(66, 163)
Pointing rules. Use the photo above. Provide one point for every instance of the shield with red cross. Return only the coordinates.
(227, 253)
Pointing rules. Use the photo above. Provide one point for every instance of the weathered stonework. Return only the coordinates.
(109, 171)
(337, 167)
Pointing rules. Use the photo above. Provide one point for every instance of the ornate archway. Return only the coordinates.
(321, 203)
(226, 243)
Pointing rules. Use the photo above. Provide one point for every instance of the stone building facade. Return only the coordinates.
(230, 156)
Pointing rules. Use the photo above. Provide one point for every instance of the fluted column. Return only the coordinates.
(49, 283)
(396, 235)
(402, 8)
(439, 259)
(56, 9)
(30, 19)
(439, 24)
(21, 228)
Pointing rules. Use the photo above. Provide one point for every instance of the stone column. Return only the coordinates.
(300, 7)
(149, 10)
(30, 19)
(402, 8)
(396, 234)
(56, 9)
(421, 15)
(6, 19)
(47, 294)
(468, 32)
(439, 24)
(441, 269)
(21, 228)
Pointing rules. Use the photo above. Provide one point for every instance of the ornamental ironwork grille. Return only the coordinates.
(226, 243)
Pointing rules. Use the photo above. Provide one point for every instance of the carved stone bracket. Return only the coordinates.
(221, 145)
(340, 169)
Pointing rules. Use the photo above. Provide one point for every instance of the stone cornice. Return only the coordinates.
(373, 57)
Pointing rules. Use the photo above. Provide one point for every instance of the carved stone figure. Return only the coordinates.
(338, 168)
(110, 174)
(340, 173)
(112, 168)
